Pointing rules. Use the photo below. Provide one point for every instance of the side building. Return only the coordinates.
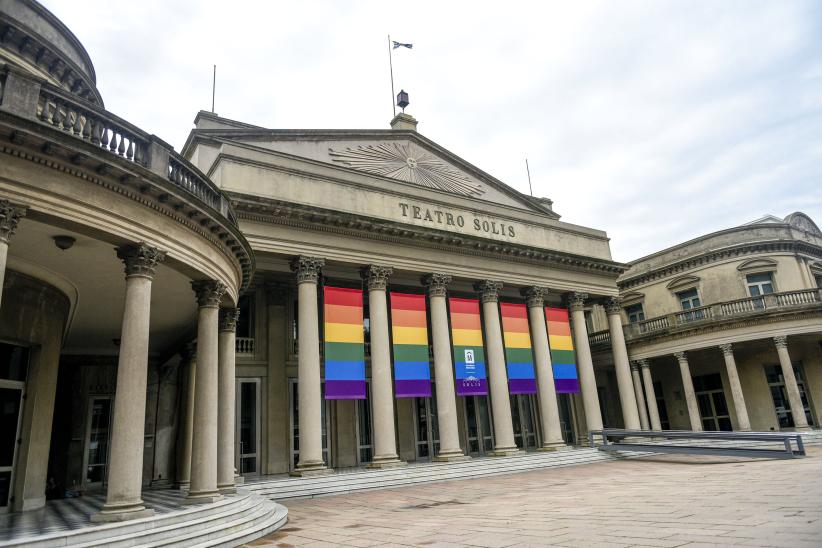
(724, 332)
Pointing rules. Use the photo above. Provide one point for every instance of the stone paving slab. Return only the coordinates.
(665, 501)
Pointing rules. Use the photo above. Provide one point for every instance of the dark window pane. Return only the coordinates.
(9, 415)
(14, 361)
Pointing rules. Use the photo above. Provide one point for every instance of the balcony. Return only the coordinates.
(749, 307)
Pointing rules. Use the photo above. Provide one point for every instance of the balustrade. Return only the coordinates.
(244, 345)
(792, 298)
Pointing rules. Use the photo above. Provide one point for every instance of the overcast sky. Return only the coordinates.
(655, 121)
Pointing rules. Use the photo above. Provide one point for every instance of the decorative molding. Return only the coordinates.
(10, 215)
(436, 284)
(376, 276)
(682, 282)
(576, 300)
(307, 268)
(802, 222)
(140, 259)
(228, 319)
(534, 296)
(613, 305)
(209, 292)
(727, 349)
(407, 162)
(757, 264)
(781, 341)
(488, 290)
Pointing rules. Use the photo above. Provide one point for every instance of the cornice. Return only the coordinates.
(687, 264)
(309, 218)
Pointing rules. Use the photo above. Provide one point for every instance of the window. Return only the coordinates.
(635, 313)
(782, 406)
(689, 299)
(760, 284)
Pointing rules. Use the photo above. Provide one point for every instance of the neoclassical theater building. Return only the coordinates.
(271, 301)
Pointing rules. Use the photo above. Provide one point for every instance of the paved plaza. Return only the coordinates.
(665, 501)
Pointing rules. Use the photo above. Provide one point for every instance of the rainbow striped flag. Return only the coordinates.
(518, 354)
(469, 356)
(344, 344)
(409, 327)
(562, 350)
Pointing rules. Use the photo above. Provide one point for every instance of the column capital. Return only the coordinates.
(376, 276)
(781, 341)
(727, 349)
(307, 268)
(644, 364)
(228, 319)
(576, 300)
(635, 365)
(436, 284)
(534, 296)
(10, 215)
(209, 292)
(681, 357)
(613, 305)
(140, 259)
(488, 290)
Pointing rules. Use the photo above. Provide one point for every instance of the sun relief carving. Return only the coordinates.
(407, 162)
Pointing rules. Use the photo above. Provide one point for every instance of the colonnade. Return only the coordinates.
(376, 277)
(646, 396)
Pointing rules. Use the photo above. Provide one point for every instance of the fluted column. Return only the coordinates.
(800, 421)
(9, 217)
(585, 365)
(690, 395)
(203, 487)
(382, 390)
(226, 399)
(125, 471)
(650, 394)
(640, 397)
(627, 396)
(450, 449)
(504, 443)
(186, 428)
(546, 390)
(743, 423)
(309, 385)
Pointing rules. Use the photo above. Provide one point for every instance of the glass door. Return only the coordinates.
(98, 437)
(426, 428)
(713, 408)
(11, 399)
(478, 425)
(782, 406)
(365, 432)
(248, 426)
(566, 418)
(522, 416)
(325, 419)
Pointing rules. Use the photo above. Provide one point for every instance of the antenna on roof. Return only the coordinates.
(528, 170)
(213, 88)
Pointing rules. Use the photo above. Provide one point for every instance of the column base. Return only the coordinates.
(121, 512)
(308, 469)
(451, 456)
(203, 497)
(505, 452)
(802, 428)
(182, 485)
(227, 489)
(553, 446)
(239, 480)
(386, 462)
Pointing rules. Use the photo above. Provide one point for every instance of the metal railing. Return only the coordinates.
(781, 445)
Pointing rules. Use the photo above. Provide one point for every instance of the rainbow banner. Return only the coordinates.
(469, 356)
(562, 350)
(344, 344)
(518, 354)
(409, 327)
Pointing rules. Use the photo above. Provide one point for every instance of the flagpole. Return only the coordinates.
(391, 67)
(213, 88)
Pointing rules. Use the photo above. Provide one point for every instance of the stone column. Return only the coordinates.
(309, 385)
(648, 381)
(800, 421)
(743, 423)
(497, 377)
(125, 471)
(203, 487)
(627, 396)
(226, 399)
(189, 363)
(690, 395)
(450, 449)
(382, 389)
(585, 365)
(9, 217)
(546, 390)
(640, 397)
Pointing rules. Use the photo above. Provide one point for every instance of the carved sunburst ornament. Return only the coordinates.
(407, 162)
